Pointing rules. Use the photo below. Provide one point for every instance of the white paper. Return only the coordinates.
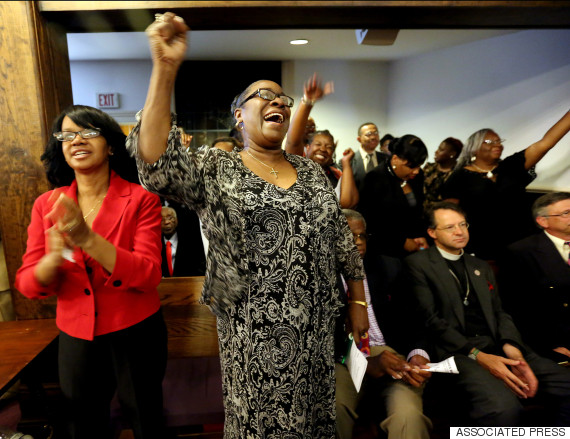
(356, 363)
(446, 366)
(67, 253)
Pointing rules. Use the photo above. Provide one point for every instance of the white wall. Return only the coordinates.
(518, 85)
(128, 78)
(360, 95)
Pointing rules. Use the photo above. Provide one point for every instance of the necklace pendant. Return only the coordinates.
(274, 172)
(490, 174)
(466, 302)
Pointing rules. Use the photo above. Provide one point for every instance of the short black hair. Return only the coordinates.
(454, 144)
(409, 148)
(441, 205)
(386, 137)
(364, 124)
(59, 173)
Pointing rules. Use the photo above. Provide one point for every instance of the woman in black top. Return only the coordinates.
(392, 200)
(492, 191)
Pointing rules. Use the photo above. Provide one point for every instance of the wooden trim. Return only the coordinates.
(35, 84)
(80, 16)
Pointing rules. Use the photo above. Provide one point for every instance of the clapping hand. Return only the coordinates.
(68, 220)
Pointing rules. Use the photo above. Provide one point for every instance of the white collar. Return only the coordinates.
(365, 154)
(450, 256)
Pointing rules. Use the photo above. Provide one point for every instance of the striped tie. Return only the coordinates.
(370, 164)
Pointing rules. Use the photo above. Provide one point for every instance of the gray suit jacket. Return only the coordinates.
(438, 298)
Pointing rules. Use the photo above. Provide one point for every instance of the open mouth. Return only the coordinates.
(80, 153)
(274, 117)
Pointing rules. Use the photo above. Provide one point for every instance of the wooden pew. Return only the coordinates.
(192, 385)
(191, 326)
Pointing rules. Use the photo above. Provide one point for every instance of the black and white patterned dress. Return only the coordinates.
(271, 281)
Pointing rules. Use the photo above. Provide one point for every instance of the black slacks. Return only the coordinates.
(132, 362)
(491, 403)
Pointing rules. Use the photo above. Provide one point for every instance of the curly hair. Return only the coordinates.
(59, 173)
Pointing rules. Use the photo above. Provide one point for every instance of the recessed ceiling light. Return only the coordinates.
(299, 42)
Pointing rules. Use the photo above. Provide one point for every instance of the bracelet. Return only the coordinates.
(307, 101)
(359, 302)
(473, 355)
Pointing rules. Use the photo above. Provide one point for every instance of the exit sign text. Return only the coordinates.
(108, 100)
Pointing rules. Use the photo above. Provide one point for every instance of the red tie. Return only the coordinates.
(169, 256)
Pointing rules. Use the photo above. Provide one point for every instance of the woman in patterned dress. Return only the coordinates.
(277, 241)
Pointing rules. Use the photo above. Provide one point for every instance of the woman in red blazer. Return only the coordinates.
(94, 242)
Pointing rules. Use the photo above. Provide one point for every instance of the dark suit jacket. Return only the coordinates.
(439, 302)
(187, 262)
(190, 258)
(389, 217)
(399, 325)
(390, 302)
(358, 167)
(535, 287)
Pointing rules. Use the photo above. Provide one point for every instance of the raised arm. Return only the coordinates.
(167, 39)
(348, 192)
(538, 150)
(312, 92)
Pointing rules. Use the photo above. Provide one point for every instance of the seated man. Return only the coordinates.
(457, 295)
(182, 253)
(389, 378)
(535, 279)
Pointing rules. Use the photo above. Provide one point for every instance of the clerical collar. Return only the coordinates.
(450, 256)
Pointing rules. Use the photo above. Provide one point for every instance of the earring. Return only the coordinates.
(473, 158)
(394, 166)
(111, 153)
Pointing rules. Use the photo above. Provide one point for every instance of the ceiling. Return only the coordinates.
(274, 44)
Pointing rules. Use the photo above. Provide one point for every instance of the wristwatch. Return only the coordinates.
(473, 354)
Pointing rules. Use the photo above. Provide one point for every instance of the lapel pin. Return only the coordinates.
(477, 273)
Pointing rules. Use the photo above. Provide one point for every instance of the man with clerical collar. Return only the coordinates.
(535, 279)
(458, 299)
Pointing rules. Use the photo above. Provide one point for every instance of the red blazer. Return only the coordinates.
(90, 301)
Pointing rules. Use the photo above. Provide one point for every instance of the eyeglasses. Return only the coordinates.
(68, 136)
(371, 133)
(451, 228)
(564, 214)
(494, 142)
(269, 95)
(363, 236)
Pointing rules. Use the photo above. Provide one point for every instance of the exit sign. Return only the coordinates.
(107, 100)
